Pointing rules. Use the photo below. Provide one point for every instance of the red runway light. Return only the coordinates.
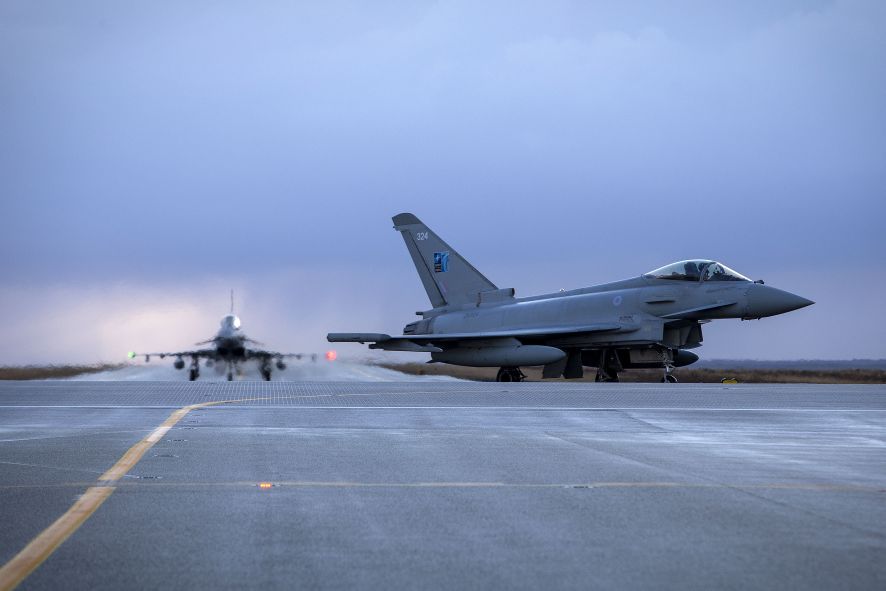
(331, 355)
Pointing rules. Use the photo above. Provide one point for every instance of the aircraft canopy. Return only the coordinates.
(231, 321)
(696, 270)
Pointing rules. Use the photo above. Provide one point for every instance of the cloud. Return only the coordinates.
(559, 144)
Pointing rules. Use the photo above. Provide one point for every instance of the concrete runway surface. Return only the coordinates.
(441, 485)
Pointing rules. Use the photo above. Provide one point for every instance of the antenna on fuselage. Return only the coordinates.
(232, 301)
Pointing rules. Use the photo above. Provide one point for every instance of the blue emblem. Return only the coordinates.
(441, 262)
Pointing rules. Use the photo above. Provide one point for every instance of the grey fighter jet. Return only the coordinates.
(649, 321)
(231, 347)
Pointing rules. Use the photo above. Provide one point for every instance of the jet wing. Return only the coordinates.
(261, 354)
(207, 353)
(426, 343)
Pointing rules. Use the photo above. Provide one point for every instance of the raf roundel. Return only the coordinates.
(616, 301)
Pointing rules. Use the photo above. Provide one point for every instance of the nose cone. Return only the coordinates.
(768, 301)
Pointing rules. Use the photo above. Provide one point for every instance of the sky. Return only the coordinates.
(154, 156)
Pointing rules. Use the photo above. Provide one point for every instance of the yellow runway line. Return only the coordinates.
(40, 548)
(137, 451)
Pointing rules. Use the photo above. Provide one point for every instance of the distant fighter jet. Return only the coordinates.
(231, 347)
(646, 322)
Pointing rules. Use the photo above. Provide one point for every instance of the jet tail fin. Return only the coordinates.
(447, 277)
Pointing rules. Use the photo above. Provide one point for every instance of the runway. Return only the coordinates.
(442, 485)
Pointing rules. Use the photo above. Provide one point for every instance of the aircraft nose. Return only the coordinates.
(768, 301)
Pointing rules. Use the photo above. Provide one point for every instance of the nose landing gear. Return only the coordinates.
(667, 362)
(609, 366)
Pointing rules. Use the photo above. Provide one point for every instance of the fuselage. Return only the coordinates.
(229, 342)
(653, 309)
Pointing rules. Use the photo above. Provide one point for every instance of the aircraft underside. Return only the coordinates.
(609, 362)
(232, 367)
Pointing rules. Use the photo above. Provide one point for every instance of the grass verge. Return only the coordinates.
(687, 375)
(49, 372)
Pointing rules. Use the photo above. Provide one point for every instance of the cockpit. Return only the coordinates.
(231, 321)
(696, 270)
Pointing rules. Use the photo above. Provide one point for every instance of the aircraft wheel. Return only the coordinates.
(230, 376)
(669, 379)
(509, 374)
(266, 376)
(606, 377)
(193, 374)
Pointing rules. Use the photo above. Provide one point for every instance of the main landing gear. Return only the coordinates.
(609, 366)
(194, 372)
(265, 370)
(510, 374)
(606, 375)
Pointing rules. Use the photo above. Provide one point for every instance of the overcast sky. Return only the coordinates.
(154, 155)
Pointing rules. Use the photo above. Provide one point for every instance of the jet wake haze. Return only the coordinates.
(303, 371)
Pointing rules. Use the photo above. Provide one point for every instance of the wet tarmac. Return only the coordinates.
(447, 485)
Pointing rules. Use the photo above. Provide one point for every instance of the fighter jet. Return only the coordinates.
(650, 321)
(231, 347)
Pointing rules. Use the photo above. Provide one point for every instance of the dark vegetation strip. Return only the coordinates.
(48, 372)
(687, 375)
